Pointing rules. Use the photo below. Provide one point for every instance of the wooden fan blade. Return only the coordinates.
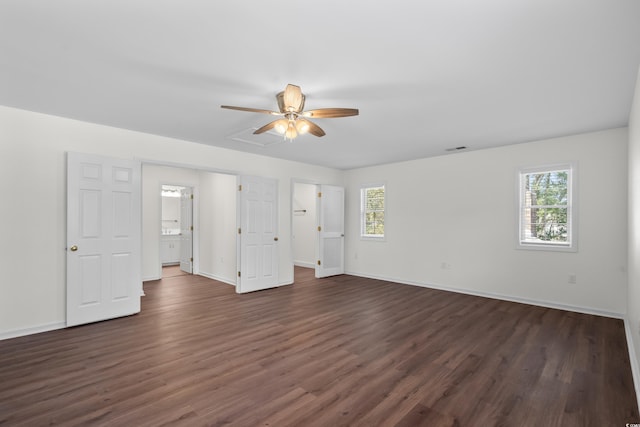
(266, 127)
(251, 110)
(293, 98)
(328, 113)
(314, 129)
(281, 106)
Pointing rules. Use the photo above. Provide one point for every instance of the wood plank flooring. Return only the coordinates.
(172, 271)
(342, 351)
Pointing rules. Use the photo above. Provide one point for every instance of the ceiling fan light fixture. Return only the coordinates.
(291, 131)
(281, 126)
(302, 127)
(291, 106)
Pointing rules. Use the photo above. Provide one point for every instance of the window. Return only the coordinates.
(546, 208)
(372, 212)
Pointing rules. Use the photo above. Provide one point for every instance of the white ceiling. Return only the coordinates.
(426, 75)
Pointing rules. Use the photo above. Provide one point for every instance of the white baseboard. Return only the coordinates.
(30, 331)
(150, 278)
(635, 370)
(510, 298)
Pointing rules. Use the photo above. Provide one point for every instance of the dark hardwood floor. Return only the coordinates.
(343, 351)
(172, 271)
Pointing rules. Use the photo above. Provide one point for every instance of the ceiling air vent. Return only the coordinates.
(263, 140)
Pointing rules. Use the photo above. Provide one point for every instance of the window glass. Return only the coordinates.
(546, 208)
(372, 210)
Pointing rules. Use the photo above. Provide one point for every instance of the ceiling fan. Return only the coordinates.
(294, 121)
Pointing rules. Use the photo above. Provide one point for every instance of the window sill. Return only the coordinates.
(373, 238)
(550, 247)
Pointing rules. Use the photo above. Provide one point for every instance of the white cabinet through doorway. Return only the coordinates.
(170, 249)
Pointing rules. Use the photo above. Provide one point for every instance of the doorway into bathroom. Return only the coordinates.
(176, 243)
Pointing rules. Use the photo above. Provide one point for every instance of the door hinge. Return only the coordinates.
(191, 228)
(191, 259)
(320, 194)
(238, 274)
(319, 263)
(239, 230)
(319, 228)
(240, 187)
(192, 197)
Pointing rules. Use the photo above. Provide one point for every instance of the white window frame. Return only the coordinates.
(363, 188)
(572, 209)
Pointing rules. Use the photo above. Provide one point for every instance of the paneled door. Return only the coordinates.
(330, 211)
(257, 234)
(186, 230)
(103, 238)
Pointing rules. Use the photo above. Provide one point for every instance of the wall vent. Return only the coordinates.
(462, 147)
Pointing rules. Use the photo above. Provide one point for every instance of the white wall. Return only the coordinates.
(460, 210)
(32, 159)
(218, 226)
(304, 225)
(633, 298)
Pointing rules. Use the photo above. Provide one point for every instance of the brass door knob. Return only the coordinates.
(275, 238)
(73, 248)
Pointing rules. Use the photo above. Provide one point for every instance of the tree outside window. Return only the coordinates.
(372, 208)
(545, 207)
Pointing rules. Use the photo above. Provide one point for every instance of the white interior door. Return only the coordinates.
(257, 234)
(186, 230)
(103, 238)
(330, 209)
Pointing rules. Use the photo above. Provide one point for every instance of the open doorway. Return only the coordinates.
(317, 224)
(213, 215)
(176, 242)
(304, 226)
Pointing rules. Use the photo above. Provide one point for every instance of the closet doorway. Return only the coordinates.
(304, 224)
(318, 228)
